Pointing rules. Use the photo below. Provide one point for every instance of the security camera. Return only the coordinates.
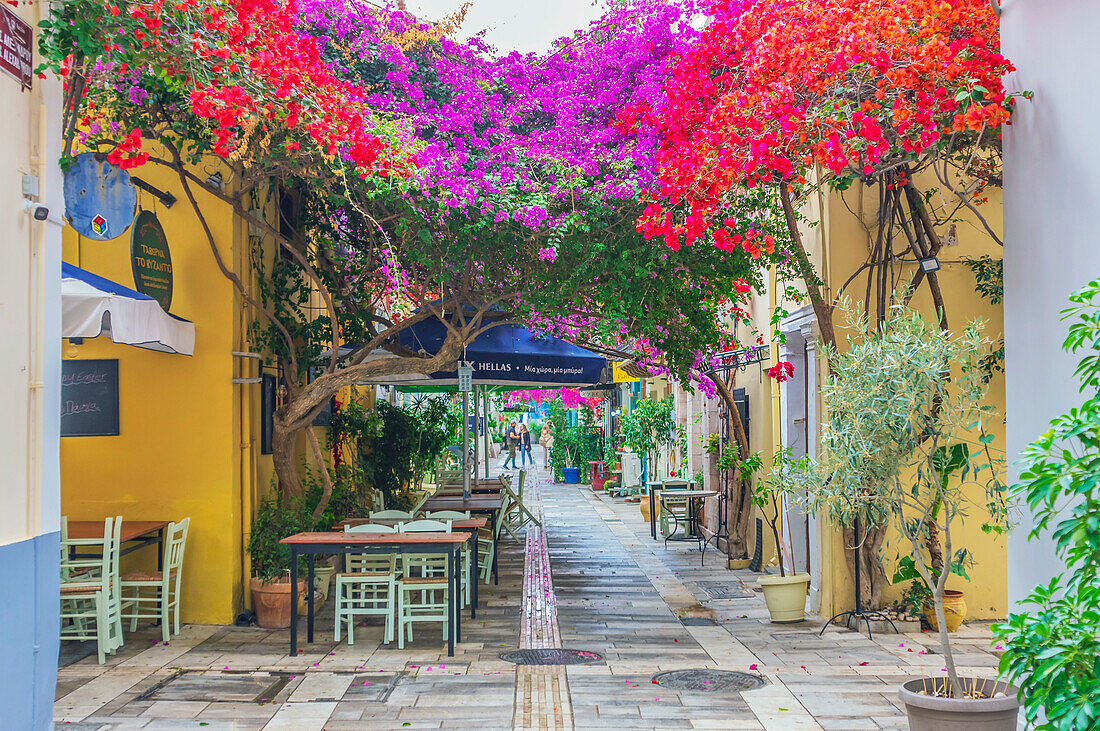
(40, 212)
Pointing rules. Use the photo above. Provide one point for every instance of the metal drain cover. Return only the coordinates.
(551, 656)
(726, 589)
(709, 680)
(212, 687)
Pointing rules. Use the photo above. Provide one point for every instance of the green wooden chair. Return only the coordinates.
(159, 591)
(392, 514)
(90, 598)
(423, 578)
(368, 587)
(486, 547)
(516, 514)
(466, 552)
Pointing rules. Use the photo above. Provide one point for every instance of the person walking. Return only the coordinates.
(510, 442)
(525, 446)
(546, 439)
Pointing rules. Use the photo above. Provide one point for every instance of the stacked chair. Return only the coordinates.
(91, 601)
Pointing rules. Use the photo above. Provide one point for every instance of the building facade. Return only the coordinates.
(30, 326)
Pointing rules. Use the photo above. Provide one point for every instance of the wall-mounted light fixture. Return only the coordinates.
(929, 265)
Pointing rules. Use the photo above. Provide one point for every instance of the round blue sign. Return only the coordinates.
(100, 200)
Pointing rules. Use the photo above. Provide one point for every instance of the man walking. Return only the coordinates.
(510, 444)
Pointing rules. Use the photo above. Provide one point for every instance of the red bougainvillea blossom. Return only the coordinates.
(775, 87)
(781, 371)
(253, 80)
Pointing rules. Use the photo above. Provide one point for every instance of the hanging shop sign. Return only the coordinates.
(100, 199)
(89, 398)
(16, 47)
(150, 259)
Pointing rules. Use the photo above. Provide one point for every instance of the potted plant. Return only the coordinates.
(270, 583)
(647, 429)
(898, 396)
(1051, 651)
(785, 594)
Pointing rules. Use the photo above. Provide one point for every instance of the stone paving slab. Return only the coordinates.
(591, 580)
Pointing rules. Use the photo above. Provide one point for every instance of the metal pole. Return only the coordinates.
(485, 427)
(465, 444)
(477, 449)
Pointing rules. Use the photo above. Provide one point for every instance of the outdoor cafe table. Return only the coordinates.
(310, 544)
(137, 533)
(692, 531)
(475, 504)
(466, 525)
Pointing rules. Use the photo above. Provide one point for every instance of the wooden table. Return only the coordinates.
(476, 504)
(468, 525)
(138, 533)
(310, 544)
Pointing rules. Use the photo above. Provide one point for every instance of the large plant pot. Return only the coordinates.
(643, 505)
(571, 475)
(954, 611)
(272, 602)
(931, 713)
(786, 596)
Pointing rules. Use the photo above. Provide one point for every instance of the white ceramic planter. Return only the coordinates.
(322, 578)
(786, 596)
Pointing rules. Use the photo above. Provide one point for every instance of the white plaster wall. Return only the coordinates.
(30, 308)
(1051, 201)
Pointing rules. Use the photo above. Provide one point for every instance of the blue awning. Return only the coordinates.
(506, 355)
(92, 306)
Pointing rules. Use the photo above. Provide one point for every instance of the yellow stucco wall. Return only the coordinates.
(847, 249)
(188, 442)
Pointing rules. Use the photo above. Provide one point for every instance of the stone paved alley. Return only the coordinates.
(594, 581)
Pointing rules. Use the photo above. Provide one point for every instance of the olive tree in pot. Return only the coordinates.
(785, 594)
(898, 396)
(1051, 651)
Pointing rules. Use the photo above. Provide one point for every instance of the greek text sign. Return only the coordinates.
(150, 259)
(16, 47)
(89, 398)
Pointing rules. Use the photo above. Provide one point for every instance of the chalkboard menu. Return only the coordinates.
(89, 398)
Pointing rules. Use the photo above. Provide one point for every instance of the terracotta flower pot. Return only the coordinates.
(786, 596)
(954, 611)
(272, 602)
(932, 713)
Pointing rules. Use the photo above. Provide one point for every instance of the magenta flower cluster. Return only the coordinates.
(515, 137)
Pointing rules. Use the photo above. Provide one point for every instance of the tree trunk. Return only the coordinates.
(872, 575)
(823, 310)
(299, 412)
(740, 509)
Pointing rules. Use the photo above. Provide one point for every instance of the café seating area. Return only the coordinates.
(97, 600)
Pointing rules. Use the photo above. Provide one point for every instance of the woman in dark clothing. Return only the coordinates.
(525, 445)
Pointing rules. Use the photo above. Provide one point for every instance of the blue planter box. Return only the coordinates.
(572, 475)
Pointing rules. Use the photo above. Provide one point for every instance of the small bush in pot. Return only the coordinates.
(785, 594)
(1051, 652)
(270, 560)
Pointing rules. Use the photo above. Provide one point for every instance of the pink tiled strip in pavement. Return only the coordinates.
(542, 692)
